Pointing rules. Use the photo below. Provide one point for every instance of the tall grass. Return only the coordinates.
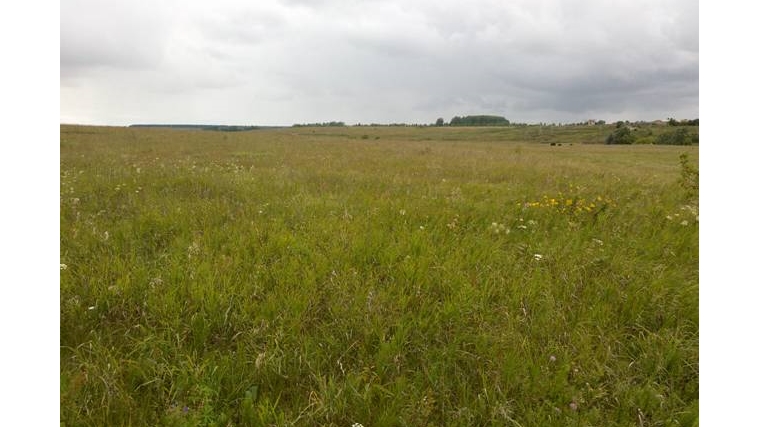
(414, 277)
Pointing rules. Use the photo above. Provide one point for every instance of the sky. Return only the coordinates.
(282, 62)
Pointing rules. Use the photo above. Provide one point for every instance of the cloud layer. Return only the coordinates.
(290, 61)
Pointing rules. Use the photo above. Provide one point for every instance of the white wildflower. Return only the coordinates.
(598, 242)
(422, 227)
(193, 250)
(691, 209)
(499, 228)
(64, 267)
(402, 212)
(684, 223)
(538, 257)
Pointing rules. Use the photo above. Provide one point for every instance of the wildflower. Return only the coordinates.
(523, 227)
(573, 406)
(691, 209)
(538, 257)
(356, 425)
(402, 212)
(64, 267)
(453, 224)
(193, 250)
(260, 358)
(597, 241)
(499, 228)
(669, 218)
(105, 235)
(684, 223)
(552, 358)
(422, 227)
(92, 307)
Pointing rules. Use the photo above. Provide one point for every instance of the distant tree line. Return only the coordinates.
(221, 128)
(624, 134)
(480, 120)
(674, 122)
(680, 136)
(323, 124)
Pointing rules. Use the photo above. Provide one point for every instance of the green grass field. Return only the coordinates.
(379, 276)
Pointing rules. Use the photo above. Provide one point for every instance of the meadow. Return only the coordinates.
(376, 276)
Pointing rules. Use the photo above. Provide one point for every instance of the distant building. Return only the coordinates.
(590, 122)
(659, 122)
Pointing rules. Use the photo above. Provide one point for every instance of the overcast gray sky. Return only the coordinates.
(281, 62)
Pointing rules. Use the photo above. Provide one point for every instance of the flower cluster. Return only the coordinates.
(454, 224)
(193, 250)
(688, 212)
(569, 205)
(497, 228)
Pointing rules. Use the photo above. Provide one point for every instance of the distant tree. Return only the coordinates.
(439, 122)
(601, 122)
(622, 135)
(672, 122)
(680, 136)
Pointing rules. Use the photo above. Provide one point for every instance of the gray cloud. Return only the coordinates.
(284, 62)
